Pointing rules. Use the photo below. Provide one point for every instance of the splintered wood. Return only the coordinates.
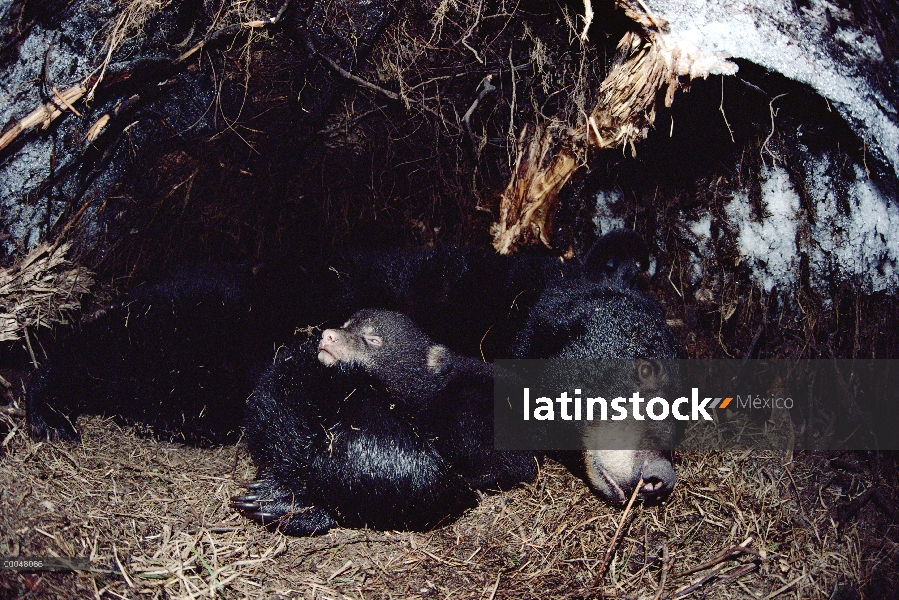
(624, 111)
(526, 208)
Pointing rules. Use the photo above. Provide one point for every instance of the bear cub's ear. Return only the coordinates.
(439, 359)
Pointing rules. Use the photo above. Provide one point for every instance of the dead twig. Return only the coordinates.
(12, 411)
(731, 575)
(484, 88)
(741, 548)
(664, 575)
(474, 25)
(65, 102)
(611, 549)
(44, 115)
(785, 587)
(347, 75)
(234, 29)
(588, 19)
(721, 109)
(764, 147)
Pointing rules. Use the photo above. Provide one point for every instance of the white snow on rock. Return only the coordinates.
(851, 236)
(689, 60)
(855, 239)
(861, 242)
(770, 244)
(702, 232)
(605, 219)
(797, 45)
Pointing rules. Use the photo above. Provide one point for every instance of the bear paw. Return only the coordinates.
(278, 509)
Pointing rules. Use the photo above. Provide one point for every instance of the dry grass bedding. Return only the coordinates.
(154, 519)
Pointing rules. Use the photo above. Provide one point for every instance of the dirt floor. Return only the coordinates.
(154, 519)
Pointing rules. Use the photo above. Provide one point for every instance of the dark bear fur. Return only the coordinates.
(471, 300)
(176, 355)
(618, 258)
(180, 354)
(603, 315)
(331, 450)
(589, 319)
(448, 397)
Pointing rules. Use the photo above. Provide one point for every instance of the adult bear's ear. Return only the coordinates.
(439, 359)
(617, 258)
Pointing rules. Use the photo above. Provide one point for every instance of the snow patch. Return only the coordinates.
(702, 229)
(848, 237)
(770, 245)
(605, 219)
(702, 232)
(687, 59)
(861, 243)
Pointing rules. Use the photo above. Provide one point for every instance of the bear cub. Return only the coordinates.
(447, 397)
(332, 450)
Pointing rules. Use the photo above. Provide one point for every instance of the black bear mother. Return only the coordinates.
(183, 354)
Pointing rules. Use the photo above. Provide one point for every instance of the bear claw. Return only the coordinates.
(257, 484)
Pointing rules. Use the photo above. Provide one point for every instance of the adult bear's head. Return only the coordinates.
(603, 319)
